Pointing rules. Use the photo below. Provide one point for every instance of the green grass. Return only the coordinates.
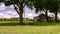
(8, 21)
(9, 27)
(29, 29)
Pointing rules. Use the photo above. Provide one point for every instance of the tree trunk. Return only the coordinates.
(56, 16)
(21, 16)
(21, 13)
(46, 16)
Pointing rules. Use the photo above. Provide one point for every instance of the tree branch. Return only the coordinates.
(16, 9)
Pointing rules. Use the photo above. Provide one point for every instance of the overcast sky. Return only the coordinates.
(8, 12)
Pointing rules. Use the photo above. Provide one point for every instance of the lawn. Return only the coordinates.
(29, 29)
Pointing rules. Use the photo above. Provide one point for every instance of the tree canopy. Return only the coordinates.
(18, 6)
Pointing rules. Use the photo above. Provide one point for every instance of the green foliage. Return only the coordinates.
(38, 5)
(29, 4)
(52, 5)
(7, 19)
(2, 1)
(8, 3)
(46, 4)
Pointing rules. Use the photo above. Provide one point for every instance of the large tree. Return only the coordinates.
(41, 5)
(18, 6)
(53, 6)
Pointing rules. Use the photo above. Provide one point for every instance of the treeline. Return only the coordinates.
(14, 19)
(9, 19)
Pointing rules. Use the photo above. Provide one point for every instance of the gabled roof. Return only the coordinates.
(44, 15)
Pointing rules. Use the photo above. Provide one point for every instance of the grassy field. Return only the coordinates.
(28, 29)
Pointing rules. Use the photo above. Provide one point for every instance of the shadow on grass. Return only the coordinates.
(31, 24)
(44, 23)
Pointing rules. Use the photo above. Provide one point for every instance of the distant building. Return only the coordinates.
(42, 17)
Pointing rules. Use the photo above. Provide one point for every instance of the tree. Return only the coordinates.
(18, 6)
(41, 5)
(53, 6)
